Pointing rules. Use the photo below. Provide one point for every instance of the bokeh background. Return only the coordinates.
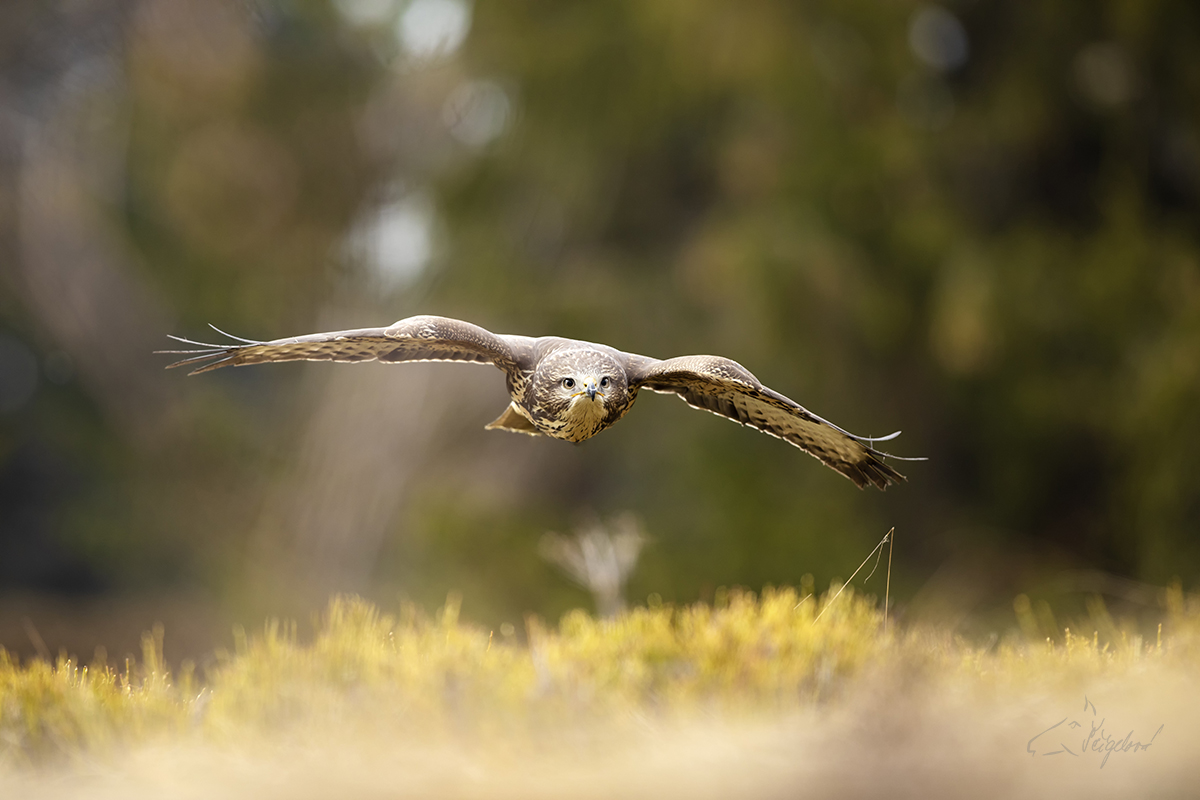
(975, 221)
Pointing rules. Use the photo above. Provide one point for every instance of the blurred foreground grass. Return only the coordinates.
(752, 692)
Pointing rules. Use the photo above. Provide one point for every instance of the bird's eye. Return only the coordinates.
(569, 383)
(603, 382)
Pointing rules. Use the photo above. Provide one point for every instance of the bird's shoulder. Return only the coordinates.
(542, 347)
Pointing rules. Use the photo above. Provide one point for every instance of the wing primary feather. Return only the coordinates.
(235, 338)
(223, 354)
(208, 367)
(209, 345)
(900, 458)
(198, 358)
(887, 438)
(871, 440)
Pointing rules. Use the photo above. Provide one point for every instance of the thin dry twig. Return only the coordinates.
(878, 548)
(887, 591)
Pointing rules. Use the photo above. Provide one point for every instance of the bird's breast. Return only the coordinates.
(579, 420)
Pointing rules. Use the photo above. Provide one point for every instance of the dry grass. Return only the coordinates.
(750, 697)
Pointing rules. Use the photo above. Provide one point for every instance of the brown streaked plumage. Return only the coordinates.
(571, 389)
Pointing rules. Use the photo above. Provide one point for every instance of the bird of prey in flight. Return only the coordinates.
(571, 389)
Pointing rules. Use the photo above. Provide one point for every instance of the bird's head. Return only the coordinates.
(581, 383)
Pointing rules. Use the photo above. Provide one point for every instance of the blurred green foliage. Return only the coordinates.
(995, 251)
(1000, 258)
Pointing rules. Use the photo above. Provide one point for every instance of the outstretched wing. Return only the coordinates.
(727, 388)
(422, 338)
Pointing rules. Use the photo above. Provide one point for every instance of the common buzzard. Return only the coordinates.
(570, 389)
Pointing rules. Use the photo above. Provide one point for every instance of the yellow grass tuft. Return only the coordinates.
(436, 682)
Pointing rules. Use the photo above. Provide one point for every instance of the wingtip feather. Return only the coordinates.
(231, 336)
(206, 352)
(224, 362)
(872, 470)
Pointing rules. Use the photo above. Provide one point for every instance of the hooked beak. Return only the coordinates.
(591, 387)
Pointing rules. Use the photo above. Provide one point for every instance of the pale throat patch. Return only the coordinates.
(584, 415)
